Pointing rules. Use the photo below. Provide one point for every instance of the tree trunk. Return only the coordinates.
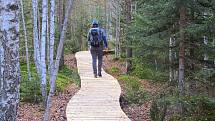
(43, 49)
(9, 59)
(129, 42)
(181, 84)
(61, 19)
(36, 36)
(171, 73)
(211, 90)
(47, 34)
(192, 81)
(117, 45)
(39, 25)
(26, 42)
(57, 62)
(183, 24)
(214, 47)
(52, 37)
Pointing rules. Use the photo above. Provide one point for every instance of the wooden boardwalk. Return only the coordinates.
(98, 98)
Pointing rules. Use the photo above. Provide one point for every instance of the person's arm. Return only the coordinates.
(88, 39)
(105, 39)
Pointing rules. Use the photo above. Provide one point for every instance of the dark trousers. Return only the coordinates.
(97, 53)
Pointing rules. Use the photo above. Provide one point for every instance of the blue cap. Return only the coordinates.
(95, 22)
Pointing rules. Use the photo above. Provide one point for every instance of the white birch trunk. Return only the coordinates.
(52, 37)
(43, 49)
(205, 53)
(36, 36)
(117, 46)
(9, 62)
(26, 42)
(47, 34)
(57, 61)
(39, 26)
(170, 60)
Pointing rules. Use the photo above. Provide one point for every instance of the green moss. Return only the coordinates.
(134, 92)
(113, 70)
(30, 90)
(150, 73)
(196, 108)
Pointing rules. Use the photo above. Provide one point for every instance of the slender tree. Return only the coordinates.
(61, 13)
(36, 36)
(9, 62)
(129, 41)
(47, 33)
(183, 24)
(26, 41)
(57, 61)
(43, 48)
(52, 36)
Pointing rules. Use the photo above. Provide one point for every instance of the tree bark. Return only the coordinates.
(9, 59)
(181, 84)
(129, 42)
(61, 19)
(26, 42)
(183, 24)
(57, 61)
(171, 74)
(47, 34)
(36, 36)
(43, 49)
(52, 37)
(117, 45)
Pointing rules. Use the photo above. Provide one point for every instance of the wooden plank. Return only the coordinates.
(98, 98)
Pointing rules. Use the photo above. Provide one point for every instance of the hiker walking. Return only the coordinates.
(97, 41)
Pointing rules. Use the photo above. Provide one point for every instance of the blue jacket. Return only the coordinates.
(103, 37)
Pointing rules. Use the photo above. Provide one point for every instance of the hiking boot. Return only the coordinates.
(95, 75)
(100, 75)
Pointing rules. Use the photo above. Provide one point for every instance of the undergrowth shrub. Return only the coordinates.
(30, 90)
(196, 108)
(148, 72)
(134, 92)
(113, 70)
(158, 111)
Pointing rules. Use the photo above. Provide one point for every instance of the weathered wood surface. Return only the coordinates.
(98, 98)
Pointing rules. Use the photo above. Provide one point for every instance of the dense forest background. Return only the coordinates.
(166, 42)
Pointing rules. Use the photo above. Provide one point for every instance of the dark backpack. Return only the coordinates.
(95, 37)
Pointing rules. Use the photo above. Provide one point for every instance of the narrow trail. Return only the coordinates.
(98, 98)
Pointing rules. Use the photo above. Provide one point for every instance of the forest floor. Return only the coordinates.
(34, 112)
(135, 112)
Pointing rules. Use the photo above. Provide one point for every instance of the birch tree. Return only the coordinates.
(47, 34)
(52, 36)
(173, 72)
(43, 48)
(9, 59)
(170, 60)
(26, 41)
(36, 36)
(58, 57)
